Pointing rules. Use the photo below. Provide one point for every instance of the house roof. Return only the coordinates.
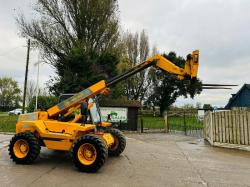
(234, 96)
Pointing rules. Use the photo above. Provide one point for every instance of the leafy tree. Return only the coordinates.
(9, 93)
(81, 71)
(77, 37)
(166, 88)
(45, 102)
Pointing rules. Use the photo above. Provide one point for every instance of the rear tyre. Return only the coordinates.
(120, 142)
(89, 153)
(24, 148)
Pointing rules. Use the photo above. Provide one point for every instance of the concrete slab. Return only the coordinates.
(149, 160)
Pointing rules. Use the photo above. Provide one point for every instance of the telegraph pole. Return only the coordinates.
(26, 75)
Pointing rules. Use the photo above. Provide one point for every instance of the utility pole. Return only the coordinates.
(26, 75)
(37, 80)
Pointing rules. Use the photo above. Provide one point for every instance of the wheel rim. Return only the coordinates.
(115, 145)
(21, 148)
(87, 154)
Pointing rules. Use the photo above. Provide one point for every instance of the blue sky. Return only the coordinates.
(218, 28)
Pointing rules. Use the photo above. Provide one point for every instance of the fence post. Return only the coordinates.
(211, 127)
(141, 125)
(185, 125)
(165, 116)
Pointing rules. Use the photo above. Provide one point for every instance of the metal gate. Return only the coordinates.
(149, 121)
(185, 122)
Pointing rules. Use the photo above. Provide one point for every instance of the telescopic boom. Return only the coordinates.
(71, 104)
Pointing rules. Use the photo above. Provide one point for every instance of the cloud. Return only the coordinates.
(219, 28)
(13, 48)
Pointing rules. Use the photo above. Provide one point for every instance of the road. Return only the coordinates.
(149, 160)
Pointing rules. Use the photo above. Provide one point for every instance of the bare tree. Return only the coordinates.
(64, 24)
(32, 91)
(154, 50)
(136, 51)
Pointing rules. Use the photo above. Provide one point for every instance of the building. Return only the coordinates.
(124, 114)
(241, 98)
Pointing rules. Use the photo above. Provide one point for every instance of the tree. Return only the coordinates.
(9, 93)
(45, 102)
(207, 107)
(73, 35)
(136, 50)
(81, 71)
(188, 106)
(198, 105)
(31, 91)
(166, 88)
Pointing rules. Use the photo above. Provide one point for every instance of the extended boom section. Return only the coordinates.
(190, 69)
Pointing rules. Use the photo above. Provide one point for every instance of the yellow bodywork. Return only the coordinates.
(56, 134)
(190, 69)
(76, 100)
(60, 135)
(87, 154)
(21, 148)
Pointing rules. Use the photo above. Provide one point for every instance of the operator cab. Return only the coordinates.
(91, 112)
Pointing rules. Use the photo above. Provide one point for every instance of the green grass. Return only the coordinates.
(174, 122)
(191, 123)
(8, 123)
(151, 122)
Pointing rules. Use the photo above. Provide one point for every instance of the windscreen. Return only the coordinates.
(95, 112)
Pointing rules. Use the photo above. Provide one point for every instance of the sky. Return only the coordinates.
(218, 28)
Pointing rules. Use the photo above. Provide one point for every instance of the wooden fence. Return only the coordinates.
(228, 129)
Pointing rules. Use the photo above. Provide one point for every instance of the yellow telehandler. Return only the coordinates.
(89, 139)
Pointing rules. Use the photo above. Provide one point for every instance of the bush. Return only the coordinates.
(44, 103)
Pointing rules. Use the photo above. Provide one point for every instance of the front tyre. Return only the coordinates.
(89, 153)
(24, 148)
(120, 142)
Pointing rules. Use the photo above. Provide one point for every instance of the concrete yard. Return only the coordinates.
(149, 160)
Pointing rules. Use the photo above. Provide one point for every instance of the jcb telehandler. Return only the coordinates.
(89, 139)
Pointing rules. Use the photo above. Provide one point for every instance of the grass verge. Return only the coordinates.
(151, 122)
(8, 123)
(190, 123)
(174, 122)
